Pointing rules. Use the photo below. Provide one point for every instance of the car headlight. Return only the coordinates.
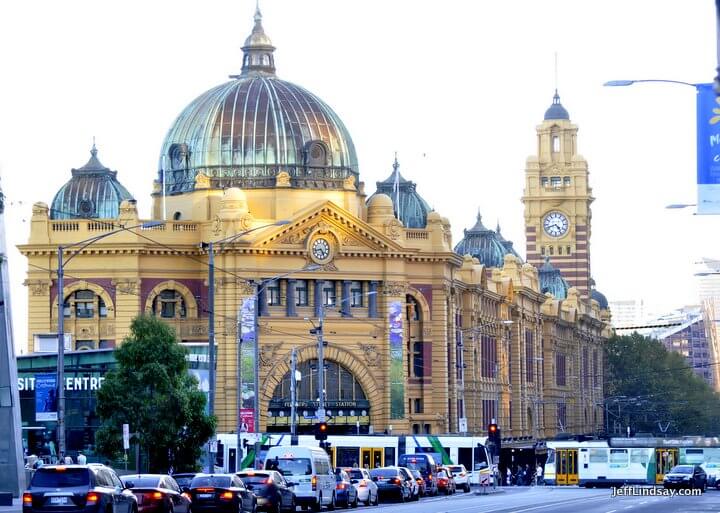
(686, 478)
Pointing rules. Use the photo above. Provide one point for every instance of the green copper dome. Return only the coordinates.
(551, 281)
(243, 133)
(487, 246)
(410, 208)
(93, 192)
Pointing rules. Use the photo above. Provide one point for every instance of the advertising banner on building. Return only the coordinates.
(397, 381)
(248, 340)
(247, 420)
(708, 150)
(45, 397)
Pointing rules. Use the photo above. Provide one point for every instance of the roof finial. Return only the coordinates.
(498, 227)
(93, 151)
(258, 50)
(479, 216)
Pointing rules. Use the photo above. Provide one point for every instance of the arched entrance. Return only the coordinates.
(346, 402)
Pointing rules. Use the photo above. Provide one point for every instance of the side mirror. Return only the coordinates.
(128, 485)
(291, 483)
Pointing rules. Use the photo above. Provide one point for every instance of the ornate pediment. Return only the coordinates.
(349, 232)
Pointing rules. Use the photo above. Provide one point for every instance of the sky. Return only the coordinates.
(455, 87)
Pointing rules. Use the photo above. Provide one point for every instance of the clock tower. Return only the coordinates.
(557, 200)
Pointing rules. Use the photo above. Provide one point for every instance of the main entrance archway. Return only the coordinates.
(346, 402)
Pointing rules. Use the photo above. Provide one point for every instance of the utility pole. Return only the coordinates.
(321, 366)
(61, 356)
(211, 350)
(293, 385)
(238, 393)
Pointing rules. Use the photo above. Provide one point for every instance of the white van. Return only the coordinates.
(309, 469)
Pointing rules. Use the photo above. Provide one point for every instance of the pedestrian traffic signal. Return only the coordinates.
(321, 429)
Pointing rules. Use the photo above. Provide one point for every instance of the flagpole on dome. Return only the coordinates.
(396, 187)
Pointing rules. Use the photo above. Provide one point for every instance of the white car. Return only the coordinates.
(461, 476)
(367, 490)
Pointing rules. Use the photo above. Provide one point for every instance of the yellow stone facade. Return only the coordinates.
(477, 343)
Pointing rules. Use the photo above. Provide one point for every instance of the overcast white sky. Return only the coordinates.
(463, 83)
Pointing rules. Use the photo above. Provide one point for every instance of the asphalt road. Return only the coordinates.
(555, 500)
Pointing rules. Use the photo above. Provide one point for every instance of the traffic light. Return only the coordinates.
(321, 429)
(494, 437)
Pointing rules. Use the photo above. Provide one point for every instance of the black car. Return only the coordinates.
(221, 493)
(78, 489)
(345, 493)
(157, 493)
(686, 476)
(391, 482)
(183, 479)
(273, 492)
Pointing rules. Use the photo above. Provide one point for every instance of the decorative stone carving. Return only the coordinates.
(40, 209)
(349, 183)
(268, 353)
(202, 181)
(297, 237)
(394, 288)
(393, 229)
(107, 330)
(350, 241)
(282, 179)
(372, 356)
(38, 287)
(129, 286)
(217, 226)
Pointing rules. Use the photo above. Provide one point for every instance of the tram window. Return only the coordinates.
(598, 456)
(619, 456)
(638, 456)
(389, 456)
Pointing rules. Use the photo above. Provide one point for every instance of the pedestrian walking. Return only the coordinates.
(508, 476)
(68, 460)
(81, 459)
(538, 474)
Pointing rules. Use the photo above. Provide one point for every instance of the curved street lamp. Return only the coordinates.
(61, 319)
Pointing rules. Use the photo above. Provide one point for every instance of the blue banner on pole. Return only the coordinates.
(708, 150)
(45, 397)
(248, 339)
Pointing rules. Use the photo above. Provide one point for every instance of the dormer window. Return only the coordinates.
(316, 154)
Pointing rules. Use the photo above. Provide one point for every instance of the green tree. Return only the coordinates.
(152, 391)
(648, 387)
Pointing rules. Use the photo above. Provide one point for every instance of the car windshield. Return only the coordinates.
(414, 463)
(60, 477)
(383, 472)
(183, 480)
(255, 479)
(682, 469)
(290, 466)
(141, 482)
(355, 474)
(202, 481)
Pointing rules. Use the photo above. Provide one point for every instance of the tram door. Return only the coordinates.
(566, 466)
(372, 457)
(665, 459)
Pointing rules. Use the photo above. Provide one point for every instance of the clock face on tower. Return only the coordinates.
(555, 224)
(320, 249)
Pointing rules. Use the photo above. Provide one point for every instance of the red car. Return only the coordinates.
(446, 483)
(157, 493)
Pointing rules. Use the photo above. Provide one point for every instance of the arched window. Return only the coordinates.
(84, 303)
(340, 384)
(169, 304)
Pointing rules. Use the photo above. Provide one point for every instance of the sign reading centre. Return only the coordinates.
(39, 383)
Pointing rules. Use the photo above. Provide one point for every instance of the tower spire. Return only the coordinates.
(258, 59)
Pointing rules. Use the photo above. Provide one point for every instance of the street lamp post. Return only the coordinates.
(61, 321)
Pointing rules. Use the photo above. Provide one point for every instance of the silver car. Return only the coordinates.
(367, 490)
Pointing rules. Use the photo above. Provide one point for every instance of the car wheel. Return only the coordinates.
(317, 505)
(467, 487)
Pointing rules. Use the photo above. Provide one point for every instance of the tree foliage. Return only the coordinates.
(152, 391)
(650, 389)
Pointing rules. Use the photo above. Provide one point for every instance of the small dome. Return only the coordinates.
(257, 37)
(234, 194)
(379, 201)
(551, 281)
(484, 244)
(93, 192)
(556, 110)
(412, 209)
(600, 298)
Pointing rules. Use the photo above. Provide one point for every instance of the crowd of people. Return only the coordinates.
(33, 462)
(523, 475)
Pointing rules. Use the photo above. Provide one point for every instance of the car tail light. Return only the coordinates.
(269, 480)
(363, 484)
(205, 489)
(186, 495)
(313, 482)
(156, 495)
(419, 481)
(429, 476)
(340, 486)
(396, 481)
(27, 498)
(226, 495)
(92, 499)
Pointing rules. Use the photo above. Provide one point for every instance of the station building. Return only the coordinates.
(422, 336)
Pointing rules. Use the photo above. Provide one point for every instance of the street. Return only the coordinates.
(551, 499)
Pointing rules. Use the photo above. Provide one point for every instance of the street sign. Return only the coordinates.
(126, 436)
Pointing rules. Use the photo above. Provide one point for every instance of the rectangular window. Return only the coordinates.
(418, 405)
(585, 371)
(618, 458)
(560, 373)
(356, 293)
(488, 357)
(555, 144)
(544, 181)
(568, 250)
(595, 369)
(555, 182)
(561, 416)
(598, 455)
(301, 293)
(542, 250)
(273, 293)
(566, 181)
(418, 360)
(84, 304)
(560, 250)
(329, 296)
(489, 411)
(529, 356)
